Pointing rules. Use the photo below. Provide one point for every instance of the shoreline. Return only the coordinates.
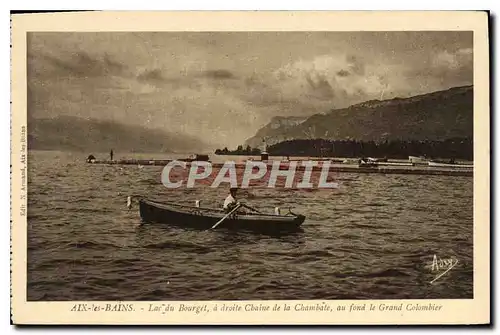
(390, 168)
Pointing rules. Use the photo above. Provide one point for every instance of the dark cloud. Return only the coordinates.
(356, 64)
(113, 66)
(160, 79)
(218, 74)
(343, 73)
(320, 86)
(151, 75)
(84, 65)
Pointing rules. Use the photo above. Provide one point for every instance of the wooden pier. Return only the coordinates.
(157, 162)
(382, 168)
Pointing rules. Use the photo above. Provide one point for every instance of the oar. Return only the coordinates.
(226, 216)
(251, 208)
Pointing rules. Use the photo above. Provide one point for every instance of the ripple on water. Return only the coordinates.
(372, 239)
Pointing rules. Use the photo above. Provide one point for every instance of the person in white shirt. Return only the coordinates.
(230, 201)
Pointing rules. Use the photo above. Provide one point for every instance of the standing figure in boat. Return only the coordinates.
(111, 154)
(230, 201)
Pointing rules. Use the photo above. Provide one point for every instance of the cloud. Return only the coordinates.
(83, 64)
(343, 73)
(453, 60)
(444, 69)
(151, 75)
(339, 79)
(193, 104)
(218, 74)
(225, 105)
(345, 79)
(355, 64)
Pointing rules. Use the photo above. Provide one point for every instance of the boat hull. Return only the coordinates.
(205, 218)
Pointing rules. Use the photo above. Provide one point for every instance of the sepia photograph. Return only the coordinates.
(233, 166)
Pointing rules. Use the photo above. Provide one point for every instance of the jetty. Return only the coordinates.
(157, 162)
(381, 168)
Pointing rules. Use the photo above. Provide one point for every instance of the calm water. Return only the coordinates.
(372, 238)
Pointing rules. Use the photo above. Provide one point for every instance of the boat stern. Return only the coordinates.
(299, 220)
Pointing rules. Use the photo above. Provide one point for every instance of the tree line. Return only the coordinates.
(453, 148)
(249, 151)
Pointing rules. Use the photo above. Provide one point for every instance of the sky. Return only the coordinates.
(223, 86)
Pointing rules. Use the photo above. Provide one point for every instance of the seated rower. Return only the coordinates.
(230, 201)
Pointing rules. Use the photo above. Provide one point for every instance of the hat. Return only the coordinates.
(233, 189)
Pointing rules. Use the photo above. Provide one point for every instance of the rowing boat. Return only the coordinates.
(204, 218)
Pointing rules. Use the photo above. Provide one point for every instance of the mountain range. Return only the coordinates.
(434, 116)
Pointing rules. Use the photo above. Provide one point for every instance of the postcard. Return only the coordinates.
(250, 168)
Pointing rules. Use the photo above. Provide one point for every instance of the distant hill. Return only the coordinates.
(88, 135)
(434, 116)
(275, 131)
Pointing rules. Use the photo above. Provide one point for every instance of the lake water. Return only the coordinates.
(374, 237)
